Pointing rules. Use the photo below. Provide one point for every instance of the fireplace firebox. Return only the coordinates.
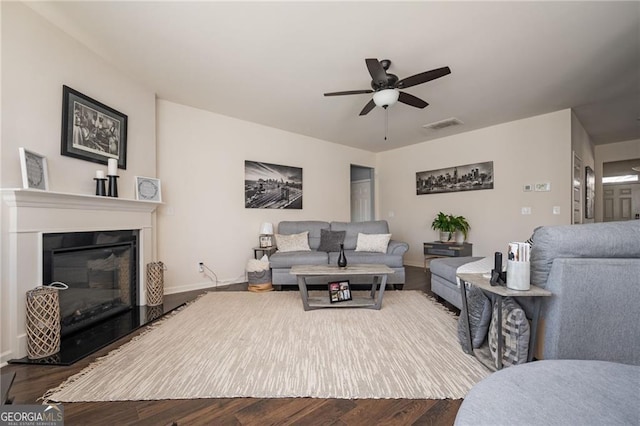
(100, 270)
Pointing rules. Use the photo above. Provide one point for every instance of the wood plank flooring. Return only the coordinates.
(32, 381)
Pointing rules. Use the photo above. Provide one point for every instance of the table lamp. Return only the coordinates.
(266, 235)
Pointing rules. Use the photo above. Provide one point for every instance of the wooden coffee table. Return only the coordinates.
(378, 273)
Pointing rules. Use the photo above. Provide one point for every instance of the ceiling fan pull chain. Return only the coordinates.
(386, 123)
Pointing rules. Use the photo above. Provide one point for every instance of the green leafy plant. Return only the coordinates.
(442, 222)
(459, 223)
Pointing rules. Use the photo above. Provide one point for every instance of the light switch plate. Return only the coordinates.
(543, 186)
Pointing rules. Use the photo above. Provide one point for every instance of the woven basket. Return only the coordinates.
(155, 283)
(43, 322)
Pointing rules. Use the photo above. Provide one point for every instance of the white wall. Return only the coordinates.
(37, 60)
(529, 151)
(201, 163)
(619, 151)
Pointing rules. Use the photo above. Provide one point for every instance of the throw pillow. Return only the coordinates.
(373, 242)
(515, 333)
(331, 240)
(479, 307)
(293, 242)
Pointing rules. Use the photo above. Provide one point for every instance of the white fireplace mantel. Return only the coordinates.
(49, 199)
(29, 213)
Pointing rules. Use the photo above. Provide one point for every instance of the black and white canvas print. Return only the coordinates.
(91, 130)
(469, 177)
(272, 186)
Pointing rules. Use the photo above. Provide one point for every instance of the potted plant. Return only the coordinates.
(460, 227)
(442, 223)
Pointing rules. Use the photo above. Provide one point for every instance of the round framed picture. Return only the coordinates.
(148, 189)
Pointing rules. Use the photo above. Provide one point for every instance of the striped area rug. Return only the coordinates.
(264, 345)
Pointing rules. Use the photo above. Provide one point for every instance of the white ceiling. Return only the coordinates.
(270, 63)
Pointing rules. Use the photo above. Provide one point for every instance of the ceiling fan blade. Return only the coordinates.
(378, 74)
(349, 92)
(368, 107)
(423, 77)
(408, 99)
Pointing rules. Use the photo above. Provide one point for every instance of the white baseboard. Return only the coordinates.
(203, 285)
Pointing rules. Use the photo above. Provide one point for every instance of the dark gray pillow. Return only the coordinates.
(331, 240)
(479, 307)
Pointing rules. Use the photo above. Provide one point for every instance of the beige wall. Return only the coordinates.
(619, 151)
(529, 151)
(581, 144)
(201, 162)
(37, 60)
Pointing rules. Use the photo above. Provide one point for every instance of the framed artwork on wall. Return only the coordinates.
(91, 130)
(34, 170)
(272, 186)
(148, 189)
(469, 177)
(590, 192)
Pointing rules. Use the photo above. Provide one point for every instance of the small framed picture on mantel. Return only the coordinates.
(148, 189)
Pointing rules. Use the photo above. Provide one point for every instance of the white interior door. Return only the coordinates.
(361, 201)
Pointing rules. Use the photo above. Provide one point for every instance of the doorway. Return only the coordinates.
(362, 193)
(621, 190)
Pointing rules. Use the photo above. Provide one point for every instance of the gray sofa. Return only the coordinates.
(281, 263)
(443, 278)
(590, 335)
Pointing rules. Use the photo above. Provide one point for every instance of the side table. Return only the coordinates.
(482, 282)
(437, 249)
(264, 250)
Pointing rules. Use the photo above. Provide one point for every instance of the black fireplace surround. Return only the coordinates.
(100, 306)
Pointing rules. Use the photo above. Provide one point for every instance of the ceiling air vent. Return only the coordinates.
(439, 125)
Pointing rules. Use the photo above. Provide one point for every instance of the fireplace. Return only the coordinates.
(100, 270)
(85, 220)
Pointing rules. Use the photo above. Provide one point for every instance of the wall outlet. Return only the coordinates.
(556, 209)
(200, 267)
(526, 210)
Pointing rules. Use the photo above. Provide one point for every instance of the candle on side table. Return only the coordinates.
(100, 174)
(112, 169)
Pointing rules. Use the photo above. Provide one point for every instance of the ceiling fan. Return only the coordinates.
(386, 86)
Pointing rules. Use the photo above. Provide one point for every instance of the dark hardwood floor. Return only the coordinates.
(33, 380)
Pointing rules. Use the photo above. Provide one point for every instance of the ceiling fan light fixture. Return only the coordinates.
(386, 97)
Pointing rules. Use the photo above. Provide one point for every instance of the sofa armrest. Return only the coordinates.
(397, 247)
(593, 312)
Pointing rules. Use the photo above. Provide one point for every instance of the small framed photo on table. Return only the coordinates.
(339, 291)
(148, 189)
(34, 170)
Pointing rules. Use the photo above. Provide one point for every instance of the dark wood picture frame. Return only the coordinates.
(91, 130)
(339, 291)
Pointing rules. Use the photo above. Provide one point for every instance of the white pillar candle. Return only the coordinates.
(113, 167)
(99, 174)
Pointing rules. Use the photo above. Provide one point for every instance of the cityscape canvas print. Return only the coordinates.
(272, 186)
(469, 177)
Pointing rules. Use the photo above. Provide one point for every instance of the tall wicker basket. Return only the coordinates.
(155, 283)
(43, 322)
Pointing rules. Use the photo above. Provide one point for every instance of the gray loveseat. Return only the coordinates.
(281, 263)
